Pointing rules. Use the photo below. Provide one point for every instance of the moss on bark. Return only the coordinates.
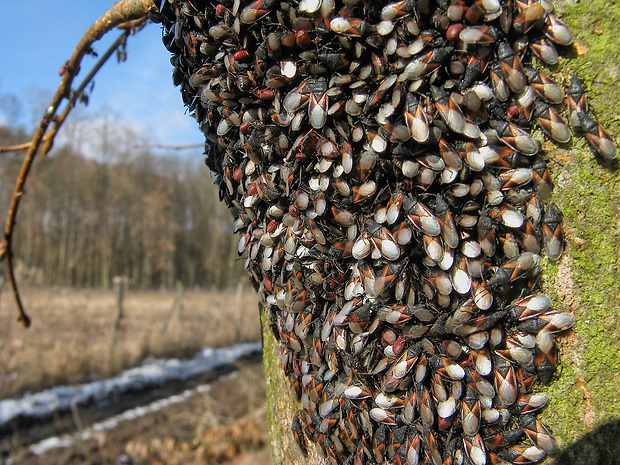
(282, 405)
(585, 400)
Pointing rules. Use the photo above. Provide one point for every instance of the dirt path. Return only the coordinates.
(226, 424)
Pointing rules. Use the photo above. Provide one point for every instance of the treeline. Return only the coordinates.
(151, 218)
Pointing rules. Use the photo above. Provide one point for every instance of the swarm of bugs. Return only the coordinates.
(393, 206)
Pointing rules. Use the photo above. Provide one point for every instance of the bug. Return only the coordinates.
(394, 203)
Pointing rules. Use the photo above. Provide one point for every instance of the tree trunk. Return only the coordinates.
(584, 407)
(282, 406)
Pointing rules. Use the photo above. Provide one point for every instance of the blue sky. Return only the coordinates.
(37, 37)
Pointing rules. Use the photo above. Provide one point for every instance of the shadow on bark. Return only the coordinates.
(598, 447)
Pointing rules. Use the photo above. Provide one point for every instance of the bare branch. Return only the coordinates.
(15, 148)
(76, 94)
(50, 135)
(23, 318)
(169, 147)
(121, 14)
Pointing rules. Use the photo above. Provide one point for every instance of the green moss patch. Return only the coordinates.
(587, 394)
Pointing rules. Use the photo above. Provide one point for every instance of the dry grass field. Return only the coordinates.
(73, 337)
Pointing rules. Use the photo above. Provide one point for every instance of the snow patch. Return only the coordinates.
(51, 443)
(88, 433)
(150, 374)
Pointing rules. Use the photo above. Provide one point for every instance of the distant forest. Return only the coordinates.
(154, 219)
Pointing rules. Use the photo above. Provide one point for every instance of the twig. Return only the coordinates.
(15, 148)
(168, 147)
(121, 13)
(75, 412)
(75, 95)
(23, 318)
(50, 135)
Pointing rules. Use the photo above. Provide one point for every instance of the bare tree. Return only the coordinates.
(11, 107)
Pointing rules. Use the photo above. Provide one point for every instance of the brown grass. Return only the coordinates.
(72, 333)
(232, 428)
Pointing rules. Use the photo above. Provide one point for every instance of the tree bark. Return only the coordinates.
(585, 400)
(282, 406)
(584, 407)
